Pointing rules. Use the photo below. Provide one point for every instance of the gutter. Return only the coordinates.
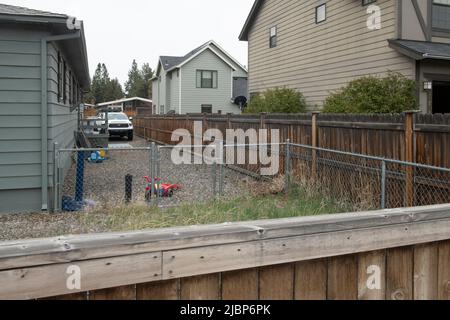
(44, 111)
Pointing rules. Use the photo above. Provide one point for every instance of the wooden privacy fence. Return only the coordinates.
(407, 137)
(391, 254)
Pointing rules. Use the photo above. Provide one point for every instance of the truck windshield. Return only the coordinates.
(117, 117)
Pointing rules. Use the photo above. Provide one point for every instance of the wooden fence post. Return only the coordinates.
(262, 121)
(314, 143)
(409, 157)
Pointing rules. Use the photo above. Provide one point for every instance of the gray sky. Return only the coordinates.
(119, 31)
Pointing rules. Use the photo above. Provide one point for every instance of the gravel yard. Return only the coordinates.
(104, 184)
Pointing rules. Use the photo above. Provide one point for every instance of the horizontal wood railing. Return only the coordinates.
(322, 257)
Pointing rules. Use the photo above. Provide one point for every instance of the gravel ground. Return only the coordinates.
(104, 185)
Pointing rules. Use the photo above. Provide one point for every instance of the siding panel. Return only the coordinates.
(318, 58)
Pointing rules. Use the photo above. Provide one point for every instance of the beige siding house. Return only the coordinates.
(206, 80)
(317, 47)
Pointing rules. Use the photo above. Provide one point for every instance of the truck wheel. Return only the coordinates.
(130, 136)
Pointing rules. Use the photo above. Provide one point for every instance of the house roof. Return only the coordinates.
(172, 62)
(109, 103)
(74, 49)
(250, 19)
(14, 10)
(421, 50)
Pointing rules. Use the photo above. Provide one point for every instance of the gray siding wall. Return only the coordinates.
(174, 91)
(20, 97)
(20, 123)
(318, 58)
(192, 97)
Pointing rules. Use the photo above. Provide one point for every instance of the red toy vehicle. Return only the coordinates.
(162, 190)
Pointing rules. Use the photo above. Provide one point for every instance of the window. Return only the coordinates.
(367, 2)
(441, 14)
(321, 13)
(207, 79)
(162, 110)
(273, 37)
(70, 88)
(64, 82)
(207, 108)
(60, 77)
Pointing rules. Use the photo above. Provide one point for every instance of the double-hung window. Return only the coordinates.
(207, 79)
(441, 14)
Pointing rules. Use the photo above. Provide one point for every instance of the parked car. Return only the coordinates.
(119, 125)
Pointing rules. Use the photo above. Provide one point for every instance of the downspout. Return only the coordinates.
(44, 112)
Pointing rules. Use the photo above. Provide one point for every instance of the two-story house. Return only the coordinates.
(206, 80)
(318, 46)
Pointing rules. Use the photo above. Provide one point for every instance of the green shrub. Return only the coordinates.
(393, 94)
(278, 100)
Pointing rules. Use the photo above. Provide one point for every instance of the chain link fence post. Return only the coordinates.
(222, 169)
(159, 192)
(55, 177)
(287, 167)
(383, 185)
(152, 172)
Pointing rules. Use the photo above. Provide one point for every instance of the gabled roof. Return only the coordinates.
(250, 19)
(421, 50)
(108, 103)
(14, 10)
(170, 62)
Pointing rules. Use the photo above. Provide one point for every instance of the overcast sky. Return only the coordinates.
(119, 31)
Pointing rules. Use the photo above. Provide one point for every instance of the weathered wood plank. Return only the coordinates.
(212, 259)
(343, 278)
(399, 274)
(69, 297)
(17, 254)
(425, 272)
(240, 285)
(161, 290)
(117, 293)
(201, 288)
(311, 280)
(444, 271)
(48, 281)
(276, 282)
(372, 275)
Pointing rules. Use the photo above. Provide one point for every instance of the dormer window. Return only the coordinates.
(441, 14)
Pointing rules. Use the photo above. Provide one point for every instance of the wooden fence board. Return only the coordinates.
(276, 282)
(203, 260)
(240, 285)
(444, 271)
(343, 278)
(201, 288)
(399, 274)
(372, 275)
(95, 274)
(118, 293)
(161, 290)
(311, 280)
(426, 272)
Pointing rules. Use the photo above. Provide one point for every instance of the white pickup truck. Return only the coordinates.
(118, 125)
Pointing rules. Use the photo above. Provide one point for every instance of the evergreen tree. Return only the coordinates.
(139, 84)
(103, 88)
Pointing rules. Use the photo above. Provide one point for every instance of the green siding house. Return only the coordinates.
(206, 80)
(43, 72)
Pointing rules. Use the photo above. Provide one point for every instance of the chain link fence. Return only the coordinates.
(363, 181)
(149, 175)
